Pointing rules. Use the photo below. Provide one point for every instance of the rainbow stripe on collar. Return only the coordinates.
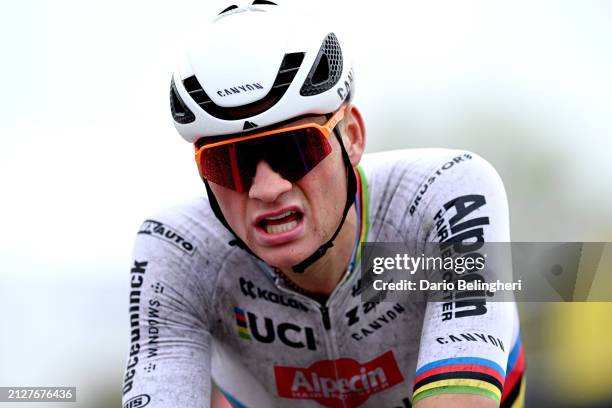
(363, 217)
(363, 213)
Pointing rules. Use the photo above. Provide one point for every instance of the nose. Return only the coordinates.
(268, 185)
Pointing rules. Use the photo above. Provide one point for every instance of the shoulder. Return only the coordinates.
(182, 241)
(421, 167)
(407, 188)
(189, 227)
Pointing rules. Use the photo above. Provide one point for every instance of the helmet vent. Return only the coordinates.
(321, 74)
(195, 90)
(326, 70)
(288, 69)
(270, 3)
(292, 61)
(180, 112)
(232, 7)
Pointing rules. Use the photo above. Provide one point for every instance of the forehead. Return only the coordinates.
(318, 119)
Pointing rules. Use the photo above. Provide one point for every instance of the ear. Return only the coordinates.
(354, 134)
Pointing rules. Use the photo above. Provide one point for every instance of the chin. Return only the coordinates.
(283, 257)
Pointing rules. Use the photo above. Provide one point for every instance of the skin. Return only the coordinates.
(321, 195)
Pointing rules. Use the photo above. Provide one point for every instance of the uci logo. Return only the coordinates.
(288, 333)
(138, 401)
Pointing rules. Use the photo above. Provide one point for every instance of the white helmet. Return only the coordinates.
(257, 66)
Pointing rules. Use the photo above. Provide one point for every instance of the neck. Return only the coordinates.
(322, 277)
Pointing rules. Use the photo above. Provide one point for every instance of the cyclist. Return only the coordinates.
(275, 318)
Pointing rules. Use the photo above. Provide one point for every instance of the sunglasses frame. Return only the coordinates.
(326, 130)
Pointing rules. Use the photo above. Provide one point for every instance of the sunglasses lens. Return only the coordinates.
(220, 165)
(291, 154)
(294, 154)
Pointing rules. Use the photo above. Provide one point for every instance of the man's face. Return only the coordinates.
(284, 222)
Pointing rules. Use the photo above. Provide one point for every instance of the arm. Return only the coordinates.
(168, 362)
(465, 344)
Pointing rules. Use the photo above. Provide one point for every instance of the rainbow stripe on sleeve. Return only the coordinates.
(474, 375)
(514, 386)
(459, 375)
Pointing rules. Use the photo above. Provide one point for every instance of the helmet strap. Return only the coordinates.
(214, 205)
(320, 252)
(350, 198)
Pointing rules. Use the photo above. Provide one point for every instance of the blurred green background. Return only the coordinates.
(88, 151)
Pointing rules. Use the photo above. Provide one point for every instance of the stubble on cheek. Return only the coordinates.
(329, 212)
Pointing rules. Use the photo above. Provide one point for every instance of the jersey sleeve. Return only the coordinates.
(168, 361)
(465, 342)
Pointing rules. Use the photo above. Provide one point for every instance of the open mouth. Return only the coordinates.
(281, 223)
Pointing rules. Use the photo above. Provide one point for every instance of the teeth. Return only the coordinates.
(278, 217)
(277, 229)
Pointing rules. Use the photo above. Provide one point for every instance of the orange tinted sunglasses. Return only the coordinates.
(291, 151)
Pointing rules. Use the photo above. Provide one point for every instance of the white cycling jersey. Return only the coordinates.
(203, 310)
